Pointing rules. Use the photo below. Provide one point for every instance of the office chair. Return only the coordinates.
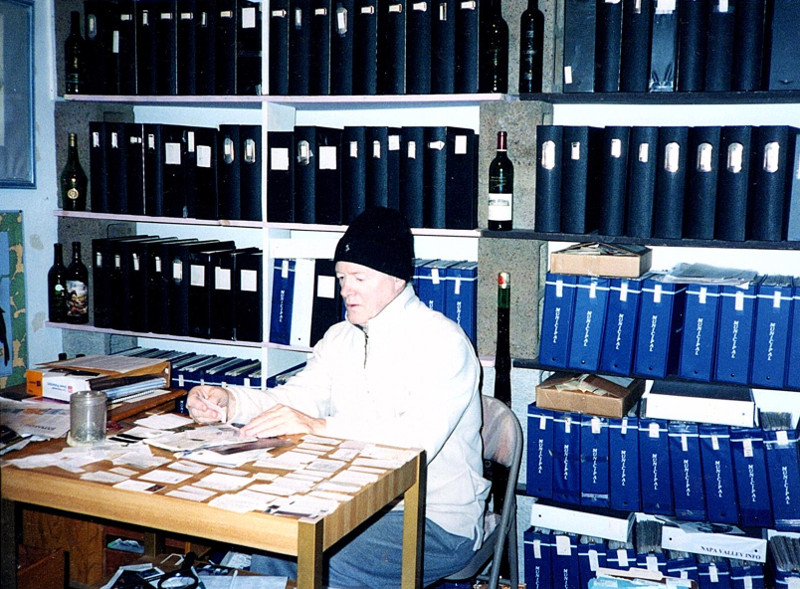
(502, 444)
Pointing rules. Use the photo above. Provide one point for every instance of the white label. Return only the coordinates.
(568, 74)
(376, 149)
(190, 141)
(172, 154)
(735, 156)
(672, 152)
(115, 42)
(157, 264)
(653, 431)
(420, 6)
(563, 545)
(285, 269)
(644, 152)
(204, 156)
(248, 280)
(772, 152)
(396, 8)
(197, 275)
(327, 157)
(393, 143)
(367, 10)
(136, 262)
(320, 12)
(500, 206)
(353, 151)
(279, 158)
(705, 163)
(461, 144)
(548, 155)
(575, 151)
(326, 287)
(222, 278)
(341, 21)
(616, 148)
(411, 150)
(437, 145)
(177, 271)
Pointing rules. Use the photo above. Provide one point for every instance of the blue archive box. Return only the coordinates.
(591, 556)
(567, 458)
(654, 467)
(683, 568)
(655, 562)
(750, 576)
(750, 468)
(539, 482)
(660, 324)
(557, 308)
(782, 451)
(280, 322)
(771, 332)
(714, 575)
(588, 323)
(594, 461)
(623, 463)
(433, 284)
(461, 297)
(418, 264)
(687, 471)
(537, 547)
(620, 559)
(565, 568)
(793, 364)
(737, 308)
(786, 579)
(696, 360)
(718, 475)
(622, 319)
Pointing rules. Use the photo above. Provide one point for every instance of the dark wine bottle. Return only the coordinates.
(493, 63)
(531, 41)
(502, 358)
(75, 57)
(57, 287)
(73, 179)
(77, 288)
(501, 188)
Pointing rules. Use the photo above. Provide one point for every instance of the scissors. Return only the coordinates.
(182, 578)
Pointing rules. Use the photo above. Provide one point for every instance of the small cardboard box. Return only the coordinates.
(57, 380)
(589, 393)
(602, 259)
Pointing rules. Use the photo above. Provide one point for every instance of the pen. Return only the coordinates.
(233, 579)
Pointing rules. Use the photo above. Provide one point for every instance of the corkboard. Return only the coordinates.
(13, 312)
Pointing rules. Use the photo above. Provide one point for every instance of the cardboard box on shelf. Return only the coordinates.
(602, 259)
(606, 396)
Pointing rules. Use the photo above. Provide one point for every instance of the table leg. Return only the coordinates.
(309, 555)
(8, 523)
(414, 529)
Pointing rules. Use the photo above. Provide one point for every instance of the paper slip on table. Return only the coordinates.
(302, 537)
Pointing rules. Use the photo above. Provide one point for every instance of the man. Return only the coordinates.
(395, 373)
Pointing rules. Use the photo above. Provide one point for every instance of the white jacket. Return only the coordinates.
(409, 379)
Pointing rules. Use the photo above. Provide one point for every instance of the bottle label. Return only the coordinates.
(77, 298)
(500, 206)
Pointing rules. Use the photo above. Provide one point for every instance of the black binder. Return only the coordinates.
(120, 280)
(412, 174)
(250, 155)
(702, 173)
(124, 50)
(305, 173)
(280, 176)
(319, 76)
(187, 46)
(637, 24)
(146, 47)
(392, 47)
(450, 172)
(117, 167)
(467, 46)
(134, 161)
(227, 17)
(157, 318)
(279, 24)
(663, 47)
(99, 26)
(327, 194)
(327, 303)
(153, 180)
(98, 170)
(342, 35)
(222, 296)
(204, 165)
(580, 23)
(719, 52)
(365, 47)
(137, 281)
(248, 296)
(784, 51)
(383, 167)
(773, 149)
(206, 48)
(418, 51)
(733, 183)
(748, 46)
(643, 149)
(608, 46)
(202, 274)
(579, 189)
(173, 170)
(673, 143)
(248, 48)
(692, 33)
(549, 141)
(443, 46)
(300, 42)
(102, 293)
(229, 171)
(167, 44)
(614, 180)
(354, 172)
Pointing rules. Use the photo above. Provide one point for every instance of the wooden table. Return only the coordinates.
(305, 538)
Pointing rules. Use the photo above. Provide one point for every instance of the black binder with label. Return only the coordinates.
(279, 23)
(124, 49)
(327, 193)
(608, 46)
(204, 165)
(450, 173)
(120, 278)
(248, 296)
(443, 46)
(102, 293)
(341, 55)
(663, 47)
(202, 274)
(153, 179)
(354, 172)
(227, 17)
(673, 143)
(614, 180)
(392, 47)
(157, 318)
(280, 177)
(167, 44)
(319, 76)
(418, 51)
(300, 47)
(719, 51)
(146, 47)
(549, 142)
(733, 183)
(248, 48)
(748, 48)
(222, 316)
(100, 29)
(637, 24)
(580, 23)
(702, 173)
(365, 47)
(383, 167)
(187, 46)
(412, 174)
(229, 172)
(327, 303)
(206, 48)
(117, 167)
(134, 161)
(137, 281)
(250, 156)
(467, 47)
(784, 53)
(305, 173)
(173, 170)
(692, 34)
(643, 150)
(579, 180)
(98, 171)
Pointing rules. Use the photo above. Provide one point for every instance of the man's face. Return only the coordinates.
(365, 291)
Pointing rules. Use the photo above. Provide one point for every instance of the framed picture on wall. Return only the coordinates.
(17, 166)
(13, 342)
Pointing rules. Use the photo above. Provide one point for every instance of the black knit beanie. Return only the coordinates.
(381, 239)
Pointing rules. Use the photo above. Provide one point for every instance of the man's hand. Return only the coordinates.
(209, 404)
(281, 420)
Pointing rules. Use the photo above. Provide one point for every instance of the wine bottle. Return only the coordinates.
(75, 57)
(57, 287)
(501, 188)
(531, 41)
(493, 63)
(77, 288)
(73, 179)
(502, 358)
